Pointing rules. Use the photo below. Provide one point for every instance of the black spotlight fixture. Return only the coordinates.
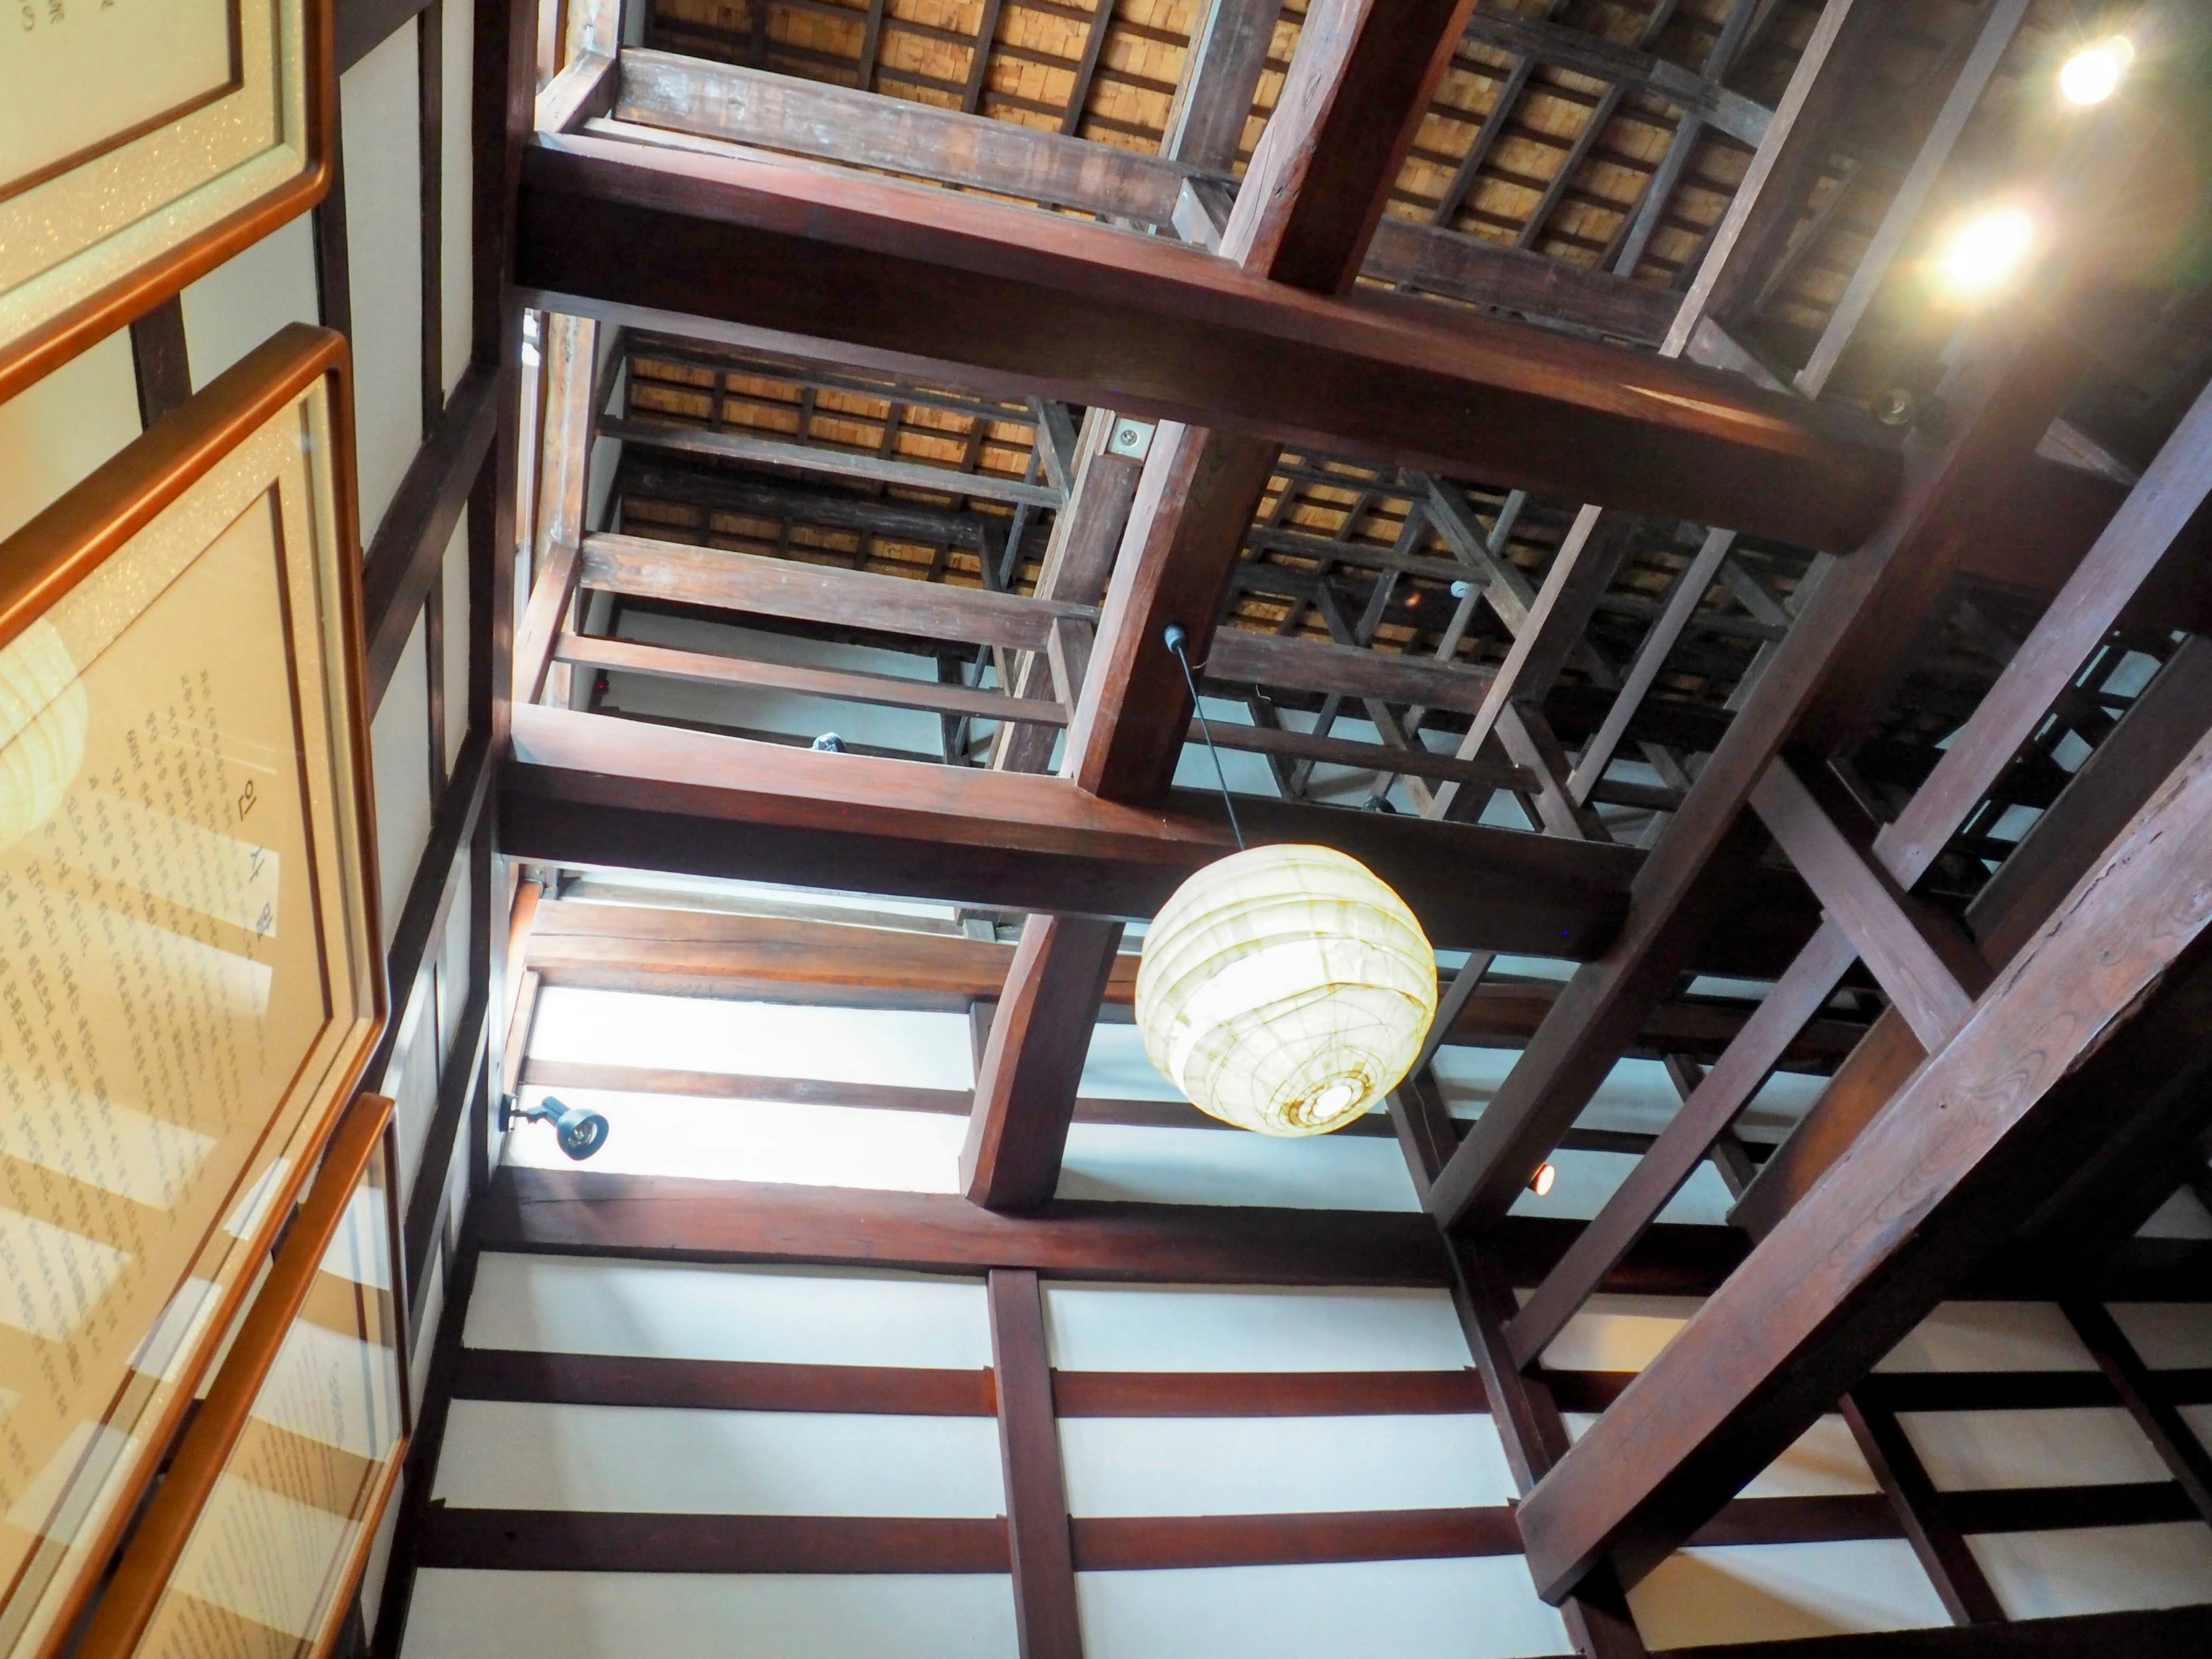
(578, 1133)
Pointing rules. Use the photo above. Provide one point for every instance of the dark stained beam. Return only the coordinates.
(877, 274)
(409, 549)
(1038, 1543)
(2112, 785)
(2091, 1043)
(2167, 1633)
(590, 789)
(1032, 1062)
(1827, 677)
(1348, 112)
(584, 1213)
(2139, 1388)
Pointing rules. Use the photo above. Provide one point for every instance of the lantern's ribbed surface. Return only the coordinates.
(44, 720)
(1286, 989)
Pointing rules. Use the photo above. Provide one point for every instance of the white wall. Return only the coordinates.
(378, 106)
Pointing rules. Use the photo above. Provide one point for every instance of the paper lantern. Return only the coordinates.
(44, 717)
(1286, 989)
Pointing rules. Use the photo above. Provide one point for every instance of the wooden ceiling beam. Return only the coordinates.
(724, 103)
(2089, 1052)
(592, 790)
(878, 274)
(1347, 115)
(1827, 678)
(685, 952)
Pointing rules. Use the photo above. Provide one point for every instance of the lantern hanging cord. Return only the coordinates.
(1176, 642)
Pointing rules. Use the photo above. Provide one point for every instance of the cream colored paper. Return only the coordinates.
(79, 76)
(183, 968)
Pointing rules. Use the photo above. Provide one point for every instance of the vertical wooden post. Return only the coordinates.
(1029, 1447)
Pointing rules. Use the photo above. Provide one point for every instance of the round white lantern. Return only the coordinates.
(44, 718)
(1286, 989)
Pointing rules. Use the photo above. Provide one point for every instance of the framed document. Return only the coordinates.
(190, 983)
(260, 1532)
(144, 143)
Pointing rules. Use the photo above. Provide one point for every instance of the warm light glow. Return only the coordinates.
(2092, 74)
(1286, 989)
(1541, 1186)
(1987, 251)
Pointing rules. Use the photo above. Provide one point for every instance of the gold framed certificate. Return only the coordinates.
(190, 983)
(254, 1544)
(143, 142)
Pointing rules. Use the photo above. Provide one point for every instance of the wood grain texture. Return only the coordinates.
(999, 298)
(590, 789)
(1032, 1062)
(2103, 1004)
(1037, 1532)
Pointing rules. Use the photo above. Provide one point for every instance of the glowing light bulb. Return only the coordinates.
(2092, 74)
(1541, 1183)
(1987, 251)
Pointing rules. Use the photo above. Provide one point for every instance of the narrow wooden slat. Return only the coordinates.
(1609, 61)
(595, 1379)
(1037, 1531)
(1121, 1543)
(1922, 1510)
(2138, 1387)
(545, 619)
(585, 87)
(599, 1541)
(725, 444)
(884, 690)
(767, 587)
(404, 557)
(1267, 1394)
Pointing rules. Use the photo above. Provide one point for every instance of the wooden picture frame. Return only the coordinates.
(190, 972)
(147, 141)
(263, 1525)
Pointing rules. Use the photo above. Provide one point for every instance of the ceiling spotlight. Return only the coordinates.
(578, 1133)
(1987, 250)
(1541, 1182)
(2092, 74)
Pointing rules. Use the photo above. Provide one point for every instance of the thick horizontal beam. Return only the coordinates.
(717, 491)
(877, 274)
(1463, 267)
(588, 789)
(666, 1218)
(599, 1541)
(554, 1378)
(683, 952)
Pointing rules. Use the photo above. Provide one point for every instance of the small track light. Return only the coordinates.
(1541, 1182)
(578, 1133)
